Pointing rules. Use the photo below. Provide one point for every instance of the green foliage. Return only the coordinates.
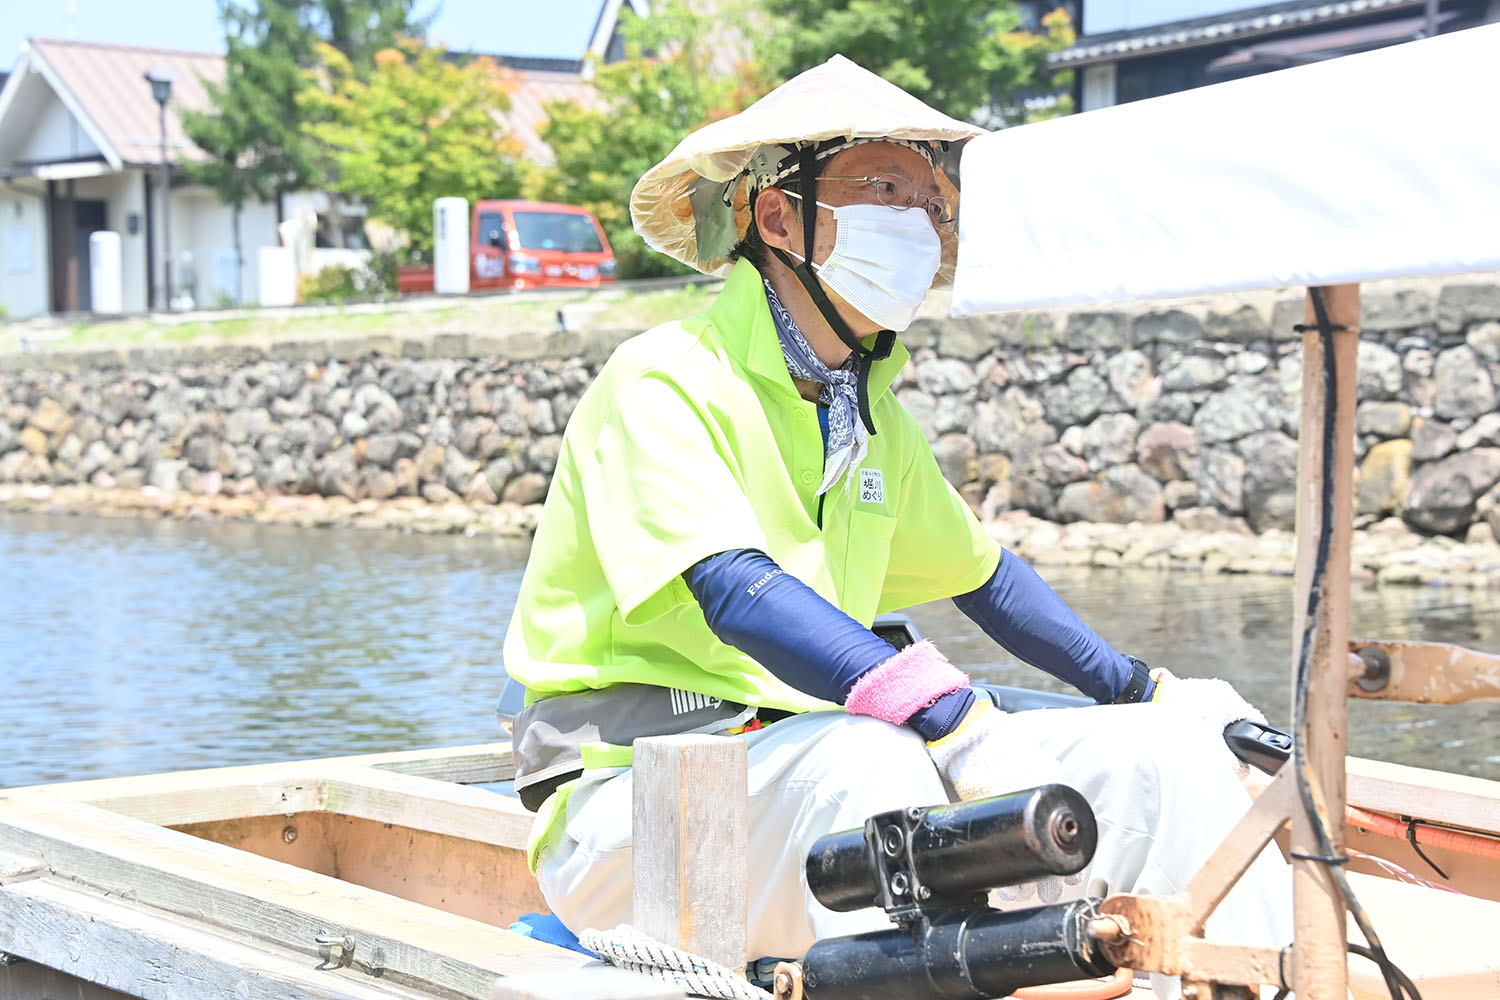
(418, 129)
(255, 151)
(254, 137)
(663, 89)
(337, 284)
(967, 58)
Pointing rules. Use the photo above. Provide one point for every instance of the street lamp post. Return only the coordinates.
(161, 89)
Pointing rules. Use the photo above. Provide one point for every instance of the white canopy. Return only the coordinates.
(1374, 165)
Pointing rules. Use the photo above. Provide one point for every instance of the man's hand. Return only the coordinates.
(981, 757)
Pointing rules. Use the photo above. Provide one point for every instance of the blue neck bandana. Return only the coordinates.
(847, 441)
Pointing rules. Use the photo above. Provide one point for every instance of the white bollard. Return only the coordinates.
(106, 274)
(450, 246)
(278, 276)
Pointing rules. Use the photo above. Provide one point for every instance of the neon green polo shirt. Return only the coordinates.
(693, 441)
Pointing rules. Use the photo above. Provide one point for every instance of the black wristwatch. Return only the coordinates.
(1140, 687)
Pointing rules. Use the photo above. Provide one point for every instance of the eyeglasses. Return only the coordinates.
(895, 191)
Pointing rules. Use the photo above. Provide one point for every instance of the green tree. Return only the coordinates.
(253, 137)
(418, 129)
(663, 89)
(968, 58)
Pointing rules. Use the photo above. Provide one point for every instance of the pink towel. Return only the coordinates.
(906, 683)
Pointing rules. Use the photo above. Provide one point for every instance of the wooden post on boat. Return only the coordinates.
(691, 840)
(1320, 969)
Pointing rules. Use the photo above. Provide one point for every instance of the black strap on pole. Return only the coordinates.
(885, 340)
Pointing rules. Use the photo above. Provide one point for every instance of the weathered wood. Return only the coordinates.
(1454, 799)
(1431, 673)
(19, 867)
(473, 879)
(242, 893)
(593, 983)
(1241, 847)
(129, 947)
(691, 843)
(1319, 969)
(426, 804)
(28, 981)
(475, 764)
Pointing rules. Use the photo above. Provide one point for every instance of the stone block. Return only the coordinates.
(1443, 494)
(1399, 309)
(1168, 450)
(1172, 326)
(1383, 478)
(1462, 303)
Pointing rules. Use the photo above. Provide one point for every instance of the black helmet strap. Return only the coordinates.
(885, 340)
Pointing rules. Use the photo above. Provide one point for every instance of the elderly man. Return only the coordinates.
(739, 494)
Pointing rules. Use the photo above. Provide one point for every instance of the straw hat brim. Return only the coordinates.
(694, 205)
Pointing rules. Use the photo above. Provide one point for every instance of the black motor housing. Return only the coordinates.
(962, 955)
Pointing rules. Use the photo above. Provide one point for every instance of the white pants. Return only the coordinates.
(1163, 805)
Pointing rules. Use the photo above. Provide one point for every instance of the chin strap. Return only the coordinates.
(885, 340)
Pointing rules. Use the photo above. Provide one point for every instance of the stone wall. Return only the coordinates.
(1182, 411)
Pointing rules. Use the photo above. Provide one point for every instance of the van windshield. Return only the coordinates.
(566, 231)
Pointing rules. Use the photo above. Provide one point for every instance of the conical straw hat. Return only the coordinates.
(694, 205)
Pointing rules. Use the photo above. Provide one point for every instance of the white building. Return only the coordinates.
(80, 151)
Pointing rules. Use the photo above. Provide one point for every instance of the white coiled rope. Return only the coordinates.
(627, 948)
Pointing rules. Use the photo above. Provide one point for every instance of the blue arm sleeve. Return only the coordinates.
(755, 606)
(1018, 610)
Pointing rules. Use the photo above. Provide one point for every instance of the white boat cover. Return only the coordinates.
(1376, 165)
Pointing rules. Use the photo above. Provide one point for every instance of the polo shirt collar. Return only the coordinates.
(742, 317)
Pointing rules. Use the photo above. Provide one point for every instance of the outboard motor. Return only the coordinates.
(931, 869)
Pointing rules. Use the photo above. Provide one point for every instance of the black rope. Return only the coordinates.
(1411, 838)
(1396, 981)
(1325, 859)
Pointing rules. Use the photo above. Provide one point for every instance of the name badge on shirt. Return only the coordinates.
(871, 486)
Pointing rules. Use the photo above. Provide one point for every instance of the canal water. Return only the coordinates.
(133, 646)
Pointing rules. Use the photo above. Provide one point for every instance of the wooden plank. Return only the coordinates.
(426, 804)
(599, 983)
(481, 761)
(1454, 799)
(691, 840)
(20, 867)
(1241, 847)
(28, 981)
(1319, 970)
(240, 892)
(145, 953)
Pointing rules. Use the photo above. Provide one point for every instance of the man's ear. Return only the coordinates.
(777, 220)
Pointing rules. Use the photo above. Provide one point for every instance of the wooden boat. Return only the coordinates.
(393, 875)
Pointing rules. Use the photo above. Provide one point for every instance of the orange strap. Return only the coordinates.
(1433, 836)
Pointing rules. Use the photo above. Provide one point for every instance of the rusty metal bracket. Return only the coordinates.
(1433, 673)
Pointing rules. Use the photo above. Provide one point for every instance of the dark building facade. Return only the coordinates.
(1129, 50)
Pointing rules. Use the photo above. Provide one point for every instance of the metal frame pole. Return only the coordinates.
(1320, 968)
(166, 208)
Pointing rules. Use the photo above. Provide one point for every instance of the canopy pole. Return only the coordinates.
(1320, 969)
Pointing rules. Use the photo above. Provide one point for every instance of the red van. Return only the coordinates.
(517, 244)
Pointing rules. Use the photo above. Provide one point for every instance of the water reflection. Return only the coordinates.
(130, 646)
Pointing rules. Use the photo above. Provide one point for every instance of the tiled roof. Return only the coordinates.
(109, 85)
(536, 89)
(1239, 25)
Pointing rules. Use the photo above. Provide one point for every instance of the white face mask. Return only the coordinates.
(883, 261)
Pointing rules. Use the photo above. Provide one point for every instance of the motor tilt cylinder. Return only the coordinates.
(955, 851)
(973, 954)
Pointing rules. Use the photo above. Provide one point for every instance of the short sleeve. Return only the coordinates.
(660, 493)
(939, 549)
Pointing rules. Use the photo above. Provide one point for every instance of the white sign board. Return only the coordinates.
(1382, 164)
